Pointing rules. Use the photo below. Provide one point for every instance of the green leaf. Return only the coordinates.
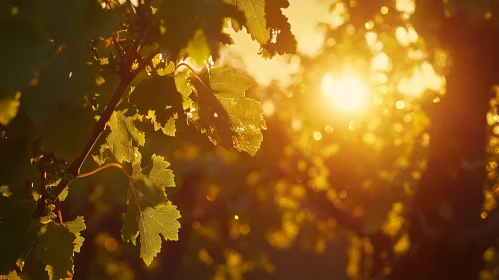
(221, 110)
(262, 17)
(183, 87)
(198, 17)
(64, 194)
(284, 41)
(8, 108)
(5, 191)
(154, 221)
(149, 212)
(11, 276)
(123, 135)
(64, 61)
(75, 227)
(55, 248)
(27, 45)
(103, 155)
(256, 23)
(168, 128)
(17, 230)
(163, 71)
(198, 49)
(155, 175)
(158, 101)
(59, 135)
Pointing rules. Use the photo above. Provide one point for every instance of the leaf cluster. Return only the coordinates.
(69, 65)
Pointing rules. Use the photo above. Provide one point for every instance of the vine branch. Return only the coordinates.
(146, 61)
(119, 50)
(193, 72)
(107, 165)
(72, 171)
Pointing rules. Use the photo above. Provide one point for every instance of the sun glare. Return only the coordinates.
(348, 93)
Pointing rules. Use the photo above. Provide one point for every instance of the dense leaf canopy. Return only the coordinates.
(309, 139)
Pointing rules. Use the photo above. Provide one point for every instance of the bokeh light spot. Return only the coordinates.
(244, 229)
(111, 244)
(317, 135)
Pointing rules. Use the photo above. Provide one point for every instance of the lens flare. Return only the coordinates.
(348, 93)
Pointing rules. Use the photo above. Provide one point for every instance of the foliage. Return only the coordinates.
(63, 62)
(386, 191)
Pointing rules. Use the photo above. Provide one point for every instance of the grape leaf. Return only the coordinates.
(17, 228)
(123, 135)
(256, 23)
(168, 128)
(25, 44)
(183, 87)
(267, 25)
(149, 212)
(8, 108)
(157, 100)
(283, 40)
(11, 276)
(103, 155)
(75, 227)
(58, 133)
(5, 191)
(198, 17)
(15, 147)
(65, 61)
(55, 248)
(162, 70)
(221, 111)
(198, 49)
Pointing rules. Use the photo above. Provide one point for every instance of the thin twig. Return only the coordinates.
(81, 175)
(59, 214)
(185, 65)
(193, 72)
(131, 5)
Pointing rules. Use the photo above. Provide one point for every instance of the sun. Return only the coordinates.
(348, 93)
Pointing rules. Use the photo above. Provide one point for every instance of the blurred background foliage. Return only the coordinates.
(332, 177)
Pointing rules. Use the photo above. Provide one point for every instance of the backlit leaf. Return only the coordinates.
(254, 10)
(167, 70)
(123, 135)
(282, 41)
(11, 276)
(221, 110)
(75, 227)
(149, 213)
(159, 102)
(55, 249)
(9, 108)
(168, 128)
(198, 49)
(17, 228)
(201, 28)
